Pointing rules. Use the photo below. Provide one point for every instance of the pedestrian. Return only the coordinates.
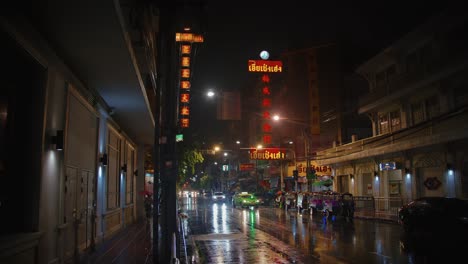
(305, 202)
(299, 202)
(148, 205)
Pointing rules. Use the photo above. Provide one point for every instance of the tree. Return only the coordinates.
(189, 156)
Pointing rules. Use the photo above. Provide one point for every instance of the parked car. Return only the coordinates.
(245, 199)
(218, 197)
(435, 216)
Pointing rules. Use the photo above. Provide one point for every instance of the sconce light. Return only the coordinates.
(407, 171)
(124, 168)
(135, 173)
(450, 168)
(57, 140)
(103, 159)
(351, 176)
(376, 174)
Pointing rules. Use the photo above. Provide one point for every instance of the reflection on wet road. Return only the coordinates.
(224, 234)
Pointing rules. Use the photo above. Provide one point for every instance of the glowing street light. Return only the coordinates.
(210, 93)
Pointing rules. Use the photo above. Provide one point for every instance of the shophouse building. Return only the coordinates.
(417, 102)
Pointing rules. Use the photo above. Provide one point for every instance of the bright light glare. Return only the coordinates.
(259, 146)
(225, 154)
(210, 93)
(216, 148)
(276, 117)
(237, 142)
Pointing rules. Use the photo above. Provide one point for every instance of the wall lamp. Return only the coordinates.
(351, 176)
(103, 159)
(57, 140)
(376, 175)
(407, 172)
(450, 168)
(124, 168)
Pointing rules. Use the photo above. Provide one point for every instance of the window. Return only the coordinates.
(395, 119)
(417, 112)
(380, 79)
(432, 107)
(427, 53)
(383, 123)
(461, 94)
(412, 62)
(391, 73)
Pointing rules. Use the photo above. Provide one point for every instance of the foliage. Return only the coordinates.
(188, 157)
(206, 181)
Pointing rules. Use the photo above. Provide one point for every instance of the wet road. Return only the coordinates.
(224, 234)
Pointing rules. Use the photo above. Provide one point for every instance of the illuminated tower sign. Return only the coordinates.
(265, 67)
(186, 40)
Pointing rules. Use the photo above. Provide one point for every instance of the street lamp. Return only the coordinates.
(210, 93)
(277, 118)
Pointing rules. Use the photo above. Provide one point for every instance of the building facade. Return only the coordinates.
(417, 103)
(317, 110)
(72, 162)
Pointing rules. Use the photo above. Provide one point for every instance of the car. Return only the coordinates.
(245, 199)
(435, 216)
(207, 195)
(218, 197)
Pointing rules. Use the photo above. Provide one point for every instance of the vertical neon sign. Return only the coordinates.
(265, 67)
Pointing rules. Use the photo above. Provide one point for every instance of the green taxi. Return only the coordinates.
(245, 199)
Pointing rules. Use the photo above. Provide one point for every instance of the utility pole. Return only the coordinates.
(165, 133)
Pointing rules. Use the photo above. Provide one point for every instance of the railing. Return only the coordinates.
(378, 207)
(181, 222)
(447, 125)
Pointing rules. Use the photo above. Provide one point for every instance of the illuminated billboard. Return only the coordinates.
(265, 66)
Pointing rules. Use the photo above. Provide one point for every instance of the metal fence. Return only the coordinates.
(378, 207)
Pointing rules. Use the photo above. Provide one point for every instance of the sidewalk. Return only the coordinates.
(377, 216)
(133, 244)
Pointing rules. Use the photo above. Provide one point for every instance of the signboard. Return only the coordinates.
(267, 154)
(265, 66)
(387, 166)
(319, 170)
(188, 37)
(247, 167)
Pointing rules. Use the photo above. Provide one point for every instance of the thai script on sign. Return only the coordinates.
(267, 154)
(324, 169)
(265, 66)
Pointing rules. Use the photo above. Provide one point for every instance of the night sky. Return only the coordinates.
(237, 31)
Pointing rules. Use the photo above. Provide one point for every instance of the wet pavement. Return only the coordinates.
(219, 233)
(133, 245)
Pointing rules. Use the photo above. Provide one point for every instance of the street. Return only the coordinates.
(223, 234)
